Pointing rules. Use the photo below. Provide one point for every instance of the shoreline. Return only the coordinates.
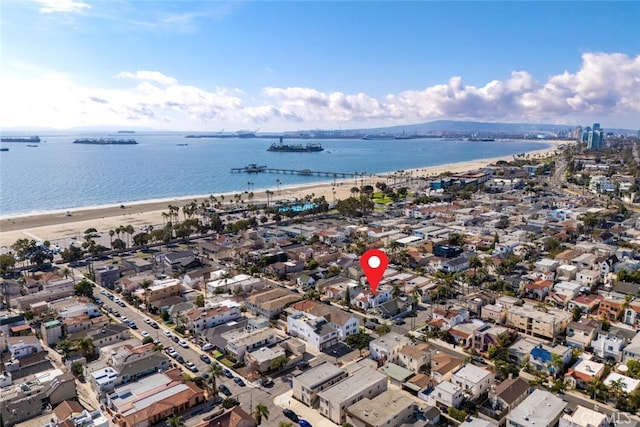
(55, 225)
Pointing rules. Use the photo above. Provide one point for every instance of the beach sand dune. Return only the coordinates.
(59, 225)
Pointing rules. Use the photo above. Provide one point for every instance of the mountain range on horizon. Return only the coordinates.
(436, 126)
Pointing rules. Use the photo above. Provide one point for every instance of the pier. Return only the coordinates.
(304, 172)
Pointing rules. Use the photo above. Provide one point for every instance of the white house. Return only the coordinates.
(444, 394)
(388, 346)
(473, 380)
(22, 346)
(316, 331)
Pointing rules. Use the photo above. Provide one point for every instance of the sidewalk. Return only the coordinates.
(286, 401)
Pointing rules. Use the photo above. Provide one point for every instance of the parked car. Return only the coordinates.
(154, 325)
(175, 339)
(145, 334)
(239, 381)
(190, 366)
(291, 415)
(183, 344)
(227, 373)
(304, 423)
(167, 334)
(224, 390)
(208, 347)
(179, 358)
(206, 359)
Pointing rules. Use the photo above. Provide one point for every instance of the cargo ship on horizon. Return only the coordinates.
(105, 141)
(281, 147)
(27, 139)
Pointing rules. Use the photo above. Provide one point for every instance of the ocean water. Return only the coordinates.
(60, 175)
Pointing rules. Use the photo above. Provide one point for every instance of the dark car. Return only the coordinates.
(206, 359)
(154, 325)
(227, 373)
(175, 338)
(399, 322)
(266, 382)
(239, 381)
(224, 390)
(180, 359)
(291, 415)
(304, 423)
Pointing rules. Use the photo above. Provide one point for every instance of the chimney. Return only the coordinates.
(510, 375)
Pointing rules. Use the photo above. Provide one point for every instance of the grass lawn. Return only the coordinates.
(381, 198)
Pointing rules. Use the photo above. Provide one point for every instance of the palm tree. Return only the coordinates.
(261, 411)
(557, 364)
(617, 388)
(175, 421)
(215, 372)
(111, 233)
(129, 230)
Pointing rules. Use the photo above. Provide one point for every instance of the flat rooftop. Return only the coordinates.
(319, 375)
(360, 380)
(540, 408)
(381, 408)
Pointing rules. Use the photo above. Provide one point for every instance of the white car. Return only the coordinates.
(167, 334)
(145, 334)
(147, 320)
(183, 344)
(124, 319)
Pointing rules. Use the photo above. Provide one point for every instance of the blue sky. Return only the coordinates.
(302, 65)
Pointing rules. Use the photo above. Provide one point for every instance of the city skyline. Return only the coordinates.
(286, 66)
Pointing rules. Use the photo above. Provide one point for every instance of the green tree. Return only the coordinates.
(278, 363)
(229, 402)
(457, 414)
(383, 329)
(84, 288)
(77, 369)
(215, 371)
(576, 312)
(358, 341)
(86, 347)
(175, 421)
(199, 300)
(64, 346)
(147, 340)
(72, 253)
(285, 424)
(347, 298)
(6, 262)
(261, 411)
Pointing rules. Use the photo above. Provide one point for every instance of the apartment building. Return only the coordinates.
(548, 323)
(387, 347)
(388, 409)
(307, 385)
(365, 382)
(153, 399)
(29, 397)
(241, 341)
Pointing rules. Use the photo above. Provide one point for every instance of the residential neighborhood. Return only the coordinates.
(513, 305)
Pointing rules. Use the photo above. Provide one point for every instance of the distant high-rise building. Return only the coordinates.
(595, 137)
(585, 134)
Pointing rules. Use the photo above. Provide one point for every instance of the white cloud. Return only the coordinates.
(154, 76)
(606, 88)
(61, 6)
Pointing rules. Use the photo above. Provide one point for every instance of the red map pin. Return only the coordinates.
(374, 262)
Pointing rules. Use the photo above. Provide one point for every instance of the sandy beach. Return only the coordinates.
(59, 225)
